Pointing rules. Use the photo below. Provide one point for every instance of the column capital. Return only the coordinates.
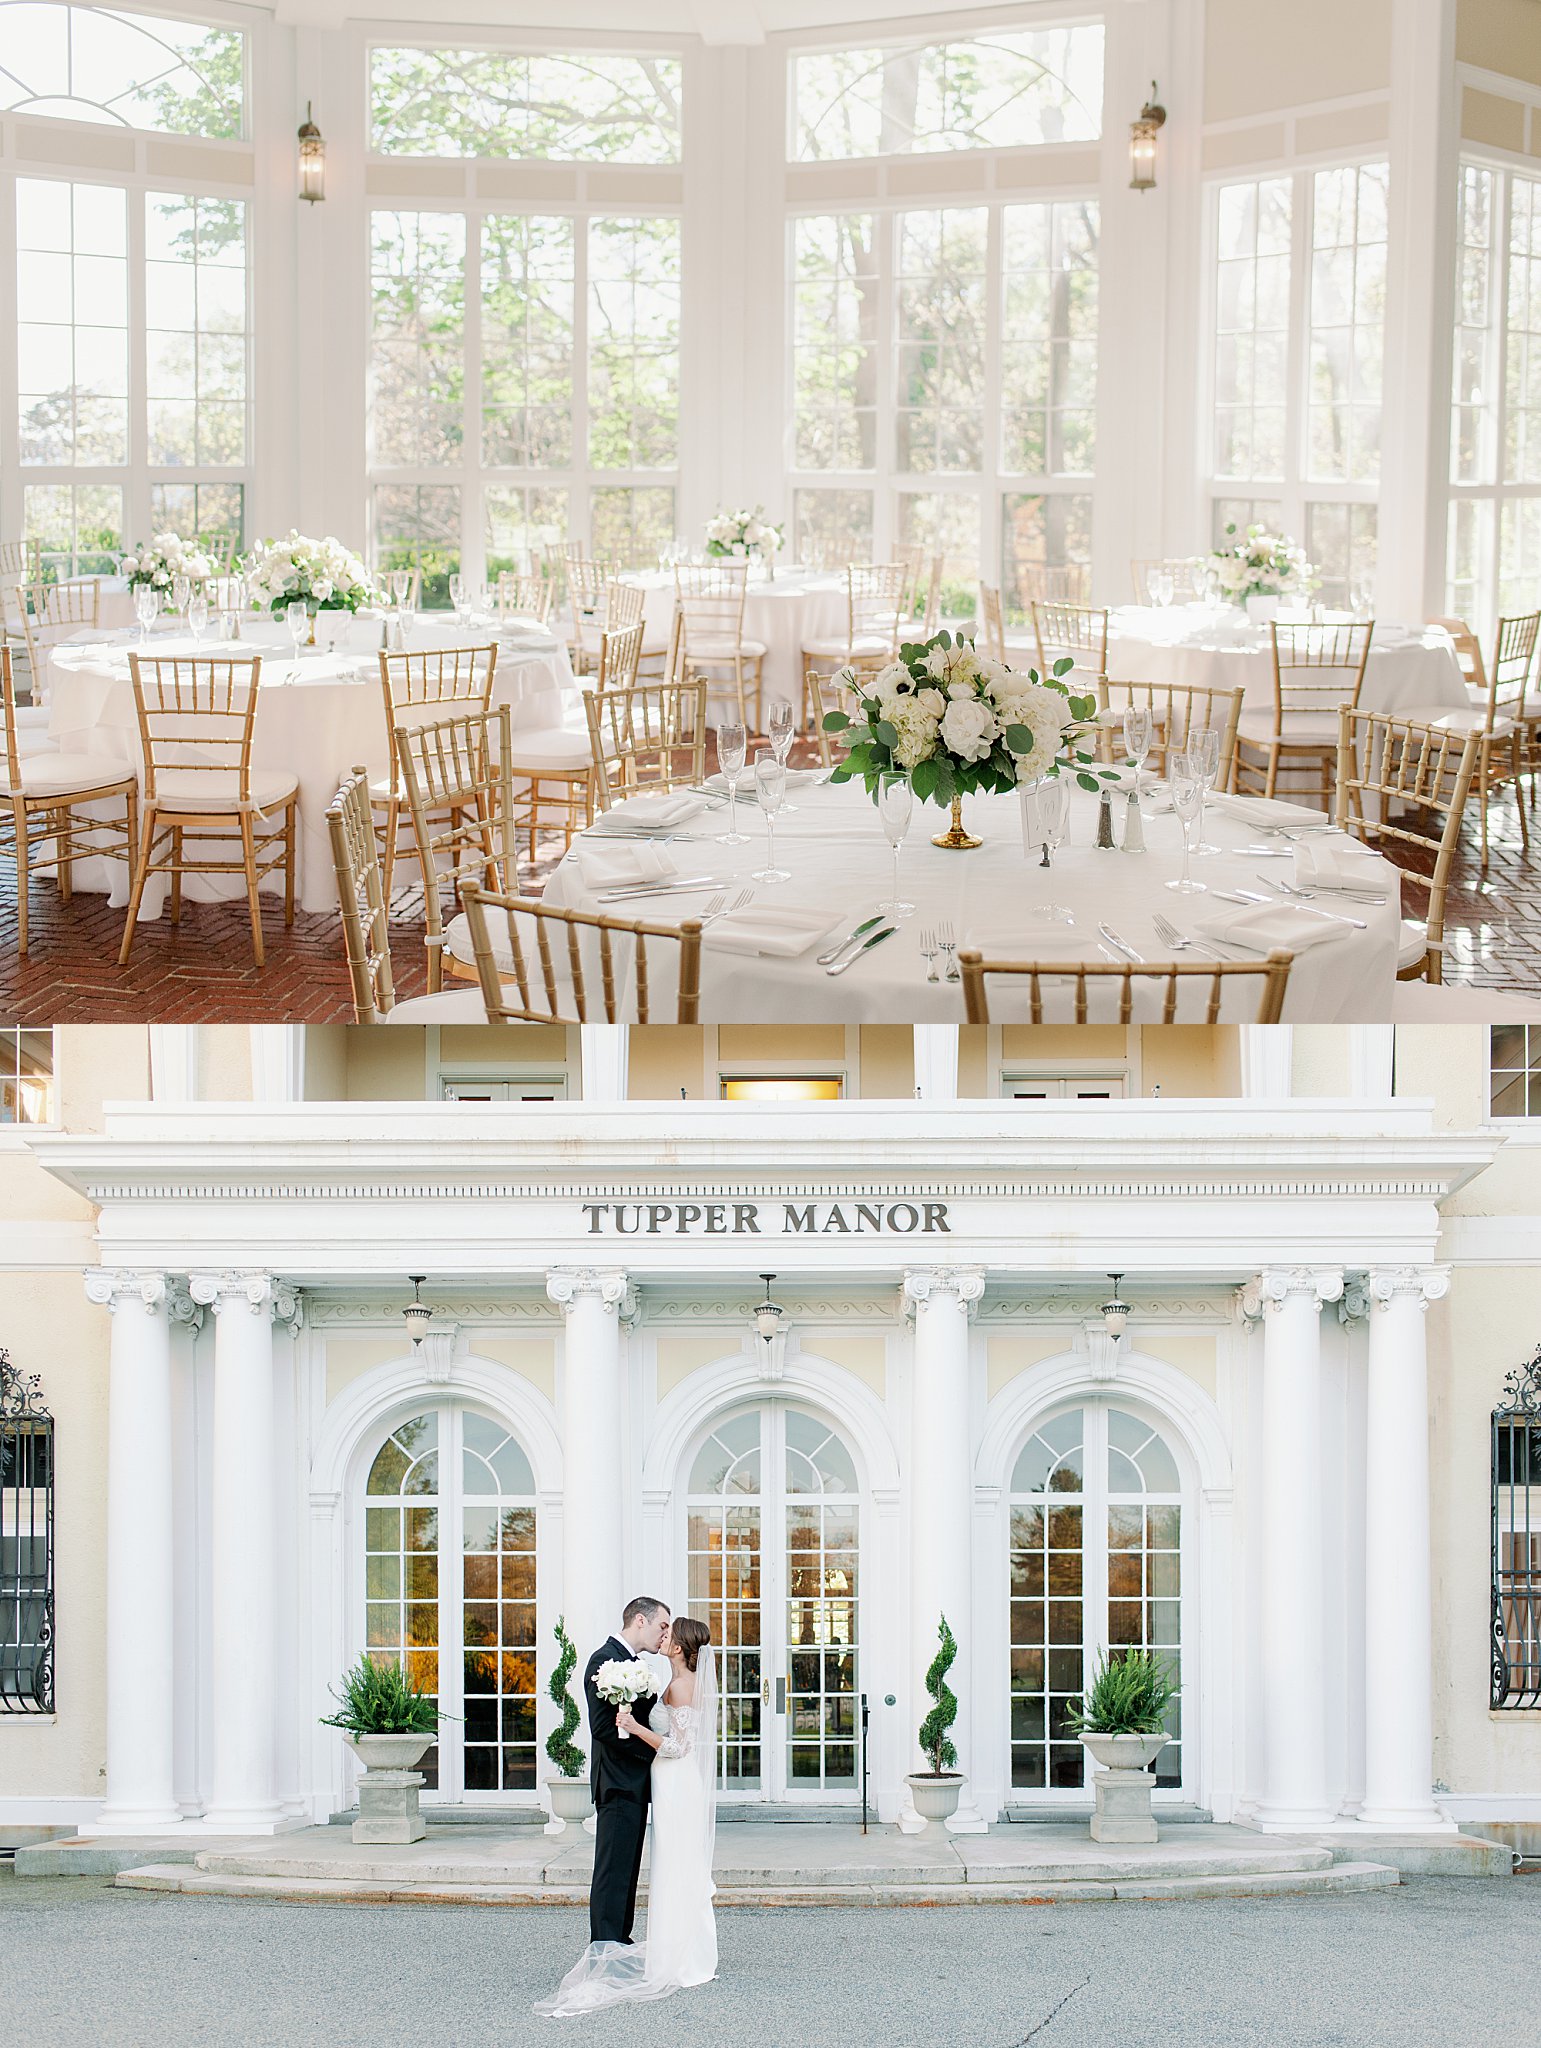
(609, 1284)
(110, 1289)
(1272, 1287)
(258, 1293)
(1421, 1284)
(923, 1283)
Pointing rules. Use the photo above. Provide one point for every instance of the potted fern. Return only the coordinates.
(390, 1724)
(571, 1796)
(1121, 1721)
(936, 1791)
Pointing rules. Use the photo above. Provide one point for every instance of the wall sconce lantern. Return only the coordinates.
(1115, 1313)
(1142, 144)
(417, 1315)
(312, 159)
(768, 1314)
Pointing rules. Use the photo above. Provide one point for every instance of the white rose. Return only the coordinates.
(130, 565)
(160, 576)
(321, 588)
(931, 702)
(968, 727)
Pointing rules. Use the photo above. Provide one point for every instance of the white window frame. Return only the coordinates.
(14, 1136)
(506, 1085)
(1066, 1081)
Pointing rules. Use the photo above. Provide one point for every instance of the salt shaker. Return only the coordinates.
(1134, 824)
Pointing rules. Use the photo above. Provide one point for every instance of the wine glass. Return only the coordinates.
(197, 617)
(147, 605)
(401, 582)
(1185, 778)
(1204, 751)
(731, 743)
(181, 593)
(770, 787)
(297, 619)
(457, 590)
(1139, 731)
(778, 726)
(896, 803)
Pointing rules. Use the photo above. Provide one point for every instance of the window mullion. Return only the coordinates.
(136, 486)
(472, 522)
(990, 483)
(1498, 273)
(1297, 461)
(885, 228)
(580, 517)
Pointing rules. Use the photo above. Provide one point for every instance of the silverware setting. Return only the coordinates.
(681, 885)
(851, 938)
(947, 942)
(928, 951)
(1168, 933)
(850, 958)
(1296, 889)
(1304, 898)
(1123, 946)
(718, 906)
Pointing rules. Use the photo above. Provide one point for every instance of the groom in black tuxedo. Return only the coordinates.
(619, 1777)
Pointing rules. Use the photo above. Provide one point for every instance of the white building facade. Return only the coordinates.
(1238, 1472)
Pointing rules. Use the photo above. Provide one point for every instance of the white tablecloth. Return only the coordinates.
(799, 606)
(841, 864)
(1409, 669)
(318, 716)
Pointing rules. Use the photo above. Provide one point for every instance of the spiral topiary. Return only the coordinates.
(934, 1740)
(560, 1747)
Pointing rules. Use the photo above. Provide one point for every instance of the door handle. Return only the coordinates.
(765, 1693)
(781, 1695)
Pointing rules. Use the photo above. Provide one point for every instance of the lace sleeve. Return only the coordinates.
(681, 1737)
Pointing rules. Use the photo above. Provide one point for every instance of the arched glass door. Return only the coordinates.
(449, 1590)
(772, 1556)
(1096, 1563)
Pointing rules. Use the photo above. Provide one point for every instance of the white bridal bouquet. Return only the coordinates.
(954, 720)
(742, 533)
(622, 1683)
(166, 558)
(323, 573)
(1262, 565)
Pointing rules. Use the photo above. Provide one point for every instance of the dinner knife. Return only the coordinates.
(685, 884)
(866, 946)
(850, 939)
(1122, 945)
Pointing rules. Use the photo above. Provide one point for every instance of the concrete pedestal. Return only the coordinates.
(1123, 1807)
(387, 1807)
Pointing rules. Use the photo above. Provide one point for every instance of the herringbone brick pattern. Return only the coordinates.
(202, 972)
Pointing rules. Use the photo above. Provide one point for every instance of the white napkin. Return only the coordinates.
(1032, 936)
(764, 928)
(659, 807)
(1262, 927)
(1335, 864)
(613, 867)
(1264, 810)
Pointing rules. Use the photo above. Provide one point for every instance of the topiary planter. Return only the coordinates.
(387, 1793)
(1123, 1785)
(936, 1795)
(572, 1799)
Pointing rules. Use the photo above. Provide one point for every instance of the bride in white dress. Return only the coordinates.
(680, 1946)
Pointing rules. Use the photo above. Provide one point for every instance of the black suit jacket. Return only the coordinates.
(621, 1764)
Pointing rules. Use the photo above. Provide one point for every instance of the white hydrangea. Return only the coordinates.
(1045, 713)
(969, 726)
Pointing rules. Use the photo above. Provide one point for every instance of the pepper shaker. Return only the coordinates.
(1105, 817)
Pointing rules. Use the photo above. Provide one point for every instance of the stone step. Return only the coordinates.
(1335, 1878)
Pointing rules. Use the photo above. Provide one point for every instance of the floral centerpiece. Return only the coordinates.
(1263, 565)
(168, 556)
(743, 533)
(321, 574)
(953, 720)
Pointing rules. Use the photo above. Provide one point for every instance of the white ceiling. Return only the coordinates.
(712, 21)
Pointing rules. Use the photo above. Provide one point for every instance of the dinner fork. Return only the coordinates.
(715, 908)
(1169, 935)
(947, 942)
(928, 951)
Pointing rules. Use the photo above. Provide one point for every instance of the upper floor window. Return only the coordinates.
(501, 103)
(1514, 1070)
(1003, 91)
(26, 1076)
(131, 70)
(780, 1087)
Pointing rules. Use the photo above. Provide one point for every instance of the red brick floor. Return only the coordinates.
(202, 972)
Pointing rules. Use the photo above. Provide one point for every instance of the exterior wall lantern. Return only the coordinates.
(312, 159)
(768, 1314)
(417, 1315)
(1142, 143)
(1115, 1313)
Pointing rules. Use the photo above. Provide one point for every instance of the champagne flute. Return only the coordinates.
(1161, 587)
(1139, 731)
(1051, 799)
(1186, 779)
(297, 619)
(181, 594)
(457, 590)
(732, 741)
(197, 617)
(1204, 750)
(770, 787)
(896, 804)
(147, 605)
(779, 731)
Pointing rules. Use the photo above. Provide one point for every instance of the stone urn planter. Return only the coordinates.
(387, 1793)
(1123, 1785)
(936, 1795)
(572, 1801)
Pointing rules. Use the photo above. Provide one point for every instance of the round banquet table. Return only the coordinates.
(798, 606)
(842, 868)
(1410, 669)
(318, 716)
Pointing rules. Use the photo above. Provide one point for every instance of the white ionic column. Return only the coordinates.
(1293, 1619)
(592, 1562)
(1398, 1627)
(936, 1062)
(941, 1501)
(243, 1795)
(140, 1686)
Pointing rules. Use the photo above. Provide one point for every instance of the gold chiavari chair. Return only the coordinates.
(1183, 570)
(825, 694)
(1015, 649)
(1316, 667)
(417, 686)
(711, 647)
(1403, 765)
(1079, 631)
(1064, 583)
(535, 967)
(1498, 711)
(878, 597)
(523, 597)
(197, 718)
(20, 565)
(585, 581)
(51, 612)
(38, 795)
(652, 736)
(1089, 978)
(365, 924)
(911, 557)
(221, 547)
(555, 765)
(931, 610)
(1176, 710)
(460, 769)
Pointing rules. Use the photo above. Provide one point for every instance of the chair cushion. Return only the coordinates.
(1412, 944)
(452, 1006)
(1474, 720)
(557, 747)
(1300, 728)
(840, 649)
(46, 774)
(718, 647)
(193, 789)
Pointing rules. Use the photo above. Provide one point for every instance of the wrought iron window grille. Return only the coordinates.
(26, 1545)
(1516, 1548)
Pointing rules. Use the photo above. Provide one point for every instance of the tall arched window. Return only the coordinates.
(1516, 1673)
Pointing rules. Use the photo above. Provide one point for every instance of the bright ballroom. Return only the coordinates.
(463, 498)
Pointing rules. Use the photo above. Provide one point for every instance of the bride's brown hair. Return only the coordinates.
(690, 1636)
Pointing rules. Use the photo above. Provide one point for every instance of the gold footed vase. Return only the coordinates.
(955, 836)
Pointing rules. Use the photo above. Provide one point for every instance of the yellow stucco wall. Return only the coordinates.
(1500, 35)
(1259, 57)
